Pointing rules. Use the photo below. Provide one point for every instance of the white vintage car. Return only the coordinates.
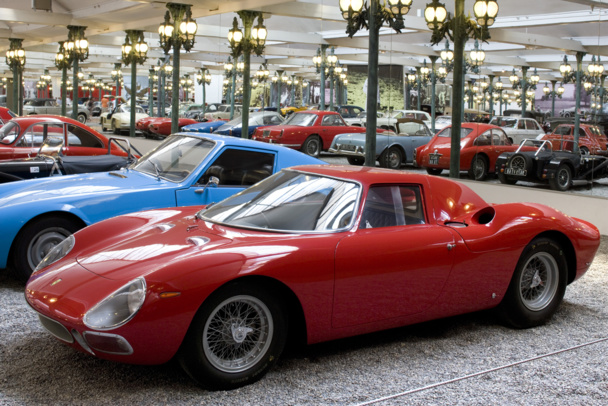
(119, 119)
(389, 120)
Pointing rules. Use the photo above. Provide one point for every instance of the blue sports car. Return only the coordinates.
(204, 127)
(186, 169)
(256, 119)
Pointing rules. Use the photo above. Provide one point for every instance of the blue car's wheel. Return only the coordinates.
(36, 239)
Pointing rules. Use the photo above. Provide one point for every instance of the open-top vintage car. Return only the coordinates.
(51, 162)
(314, 252)
(119, 119)
(38, 213)
(538, 161)
(392, 149)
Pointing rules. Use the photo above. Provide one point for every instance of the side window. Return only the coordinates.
(80, 137)
(562, 130)
(37, 133)
(532, 125)
(499, 138)
(238, 167)
(387, 206)
(482, 140)
(521, 125)
(328, 120)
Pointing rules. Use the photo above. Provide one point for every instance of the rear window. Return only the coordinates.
(447, 132)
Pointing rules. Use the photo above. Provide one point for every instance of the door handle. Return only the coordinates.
(451, 247)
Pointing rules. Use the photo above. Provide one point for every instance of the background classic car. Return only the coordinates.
(119, 119)
(314, 253)
(40, 213)
(51, 106)
(310, 131)
(480, 145)
(392, 149)
(22, 137)
(256, 119)
(591, 140)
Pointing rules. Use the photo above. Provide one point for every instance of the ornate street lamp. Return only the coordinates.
(203, 77)
(63, 61)
(134, 52)
(15, 59)
(77, 46)
(372, 15)
(117, 77)
(459, 28)
(177, 34)
(251, 39)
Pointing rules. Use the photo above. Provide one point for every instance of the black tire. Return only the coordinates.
(537, 286)
(36, 239)
(355, 160)
(81, 118)
(103, 126)
(434, 171)
(208, 355)
(115, 128)
(584, 150)
(312, 146)
(504, 180)
(520, 161)
(392, 158)
(479, 168)
(563, 178)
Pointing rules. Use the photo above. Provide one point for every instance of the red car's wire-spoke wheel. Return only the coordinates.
(538, 282)
(237, 334)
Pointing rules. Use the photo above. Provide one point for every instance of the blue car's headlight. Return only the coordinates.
(59, 251)
(118, 308)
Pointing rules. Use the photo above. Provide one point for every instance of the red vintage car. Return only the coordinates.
(591, 140)
(480, 145)
(310, 131)
(162, 128)
(143, 123)
(317, 252)
(22, 137)
(6, 115)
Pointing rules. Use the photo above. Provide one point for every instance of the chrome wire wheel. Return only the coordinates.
(539, 281)
(238, 333)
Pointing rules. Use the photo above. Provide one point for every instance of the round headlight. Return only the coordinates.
(117, 308)
(59, 251)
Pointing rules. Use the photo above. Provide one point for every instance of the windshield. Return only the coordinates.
(9, 132)
(301, 119)
(236, 122)
(290, 201)
(175, 158)
(447, 132)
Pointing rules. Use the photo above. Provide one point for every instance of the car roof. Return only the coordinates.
(47, 118)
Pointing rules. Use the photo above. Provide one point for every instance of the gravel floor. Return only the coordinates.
(466, 360)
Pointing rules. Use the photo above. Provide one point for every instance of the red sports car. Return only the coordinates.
(22, 137)
(143, 123)
(310, 131)
(162, 128)
(318, 252)
(480, 145)
(591, 140)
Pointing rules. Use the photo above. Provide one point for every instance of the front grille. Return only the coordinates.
(56, 329)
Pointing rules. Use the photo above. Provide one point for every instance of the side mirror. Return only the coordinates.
(213, 181)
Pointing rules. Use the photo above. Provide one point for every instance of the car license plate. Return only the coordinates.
(434, 159)
(346, 147)
(516, 172)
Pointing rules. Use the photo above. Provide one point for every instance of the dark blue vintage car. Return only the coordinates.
(186, 169)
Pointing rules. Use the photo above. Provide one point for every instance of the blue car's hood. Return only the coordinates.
(76, 185)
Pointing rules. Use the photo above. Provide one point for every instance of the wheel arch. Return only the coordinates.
(318, 137)
(398, 146)
(566, 245)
